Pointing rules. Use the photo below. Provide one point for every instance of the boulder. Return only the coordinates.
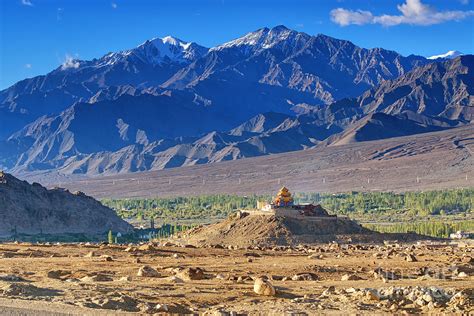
(350, 277)
(191, 274)
(410, 258)
(57, 274)
(90, 254)
(304, 277)
(146, 247)
(263, 287)
(147, 271)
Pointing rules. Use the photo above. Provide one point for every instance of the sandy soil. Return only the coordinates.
(69, 279)
(429, 161)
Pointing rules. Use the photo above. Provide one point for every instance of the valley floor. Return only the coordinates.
(93, 280)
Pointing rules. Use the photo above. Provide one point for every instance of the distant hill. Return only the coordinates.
(32, 209)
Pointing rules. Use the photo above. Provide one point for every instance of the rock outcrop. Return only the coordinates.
(32, 209)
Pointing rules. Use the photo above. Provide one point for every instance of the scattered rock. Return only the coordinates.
(146, 247)
(174, 279)
(410, 258)
(90, 254)
(11, 278)
(463, 275)
(125, 279)
(107, 258)
(263, 287)
(372, 295)
(191, 274)
(304, 277)
(350, 277)
(96, 278)
(57, 274)
(147, 271)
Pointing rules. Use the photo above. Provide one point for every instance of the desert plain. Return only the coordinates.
(159, 278)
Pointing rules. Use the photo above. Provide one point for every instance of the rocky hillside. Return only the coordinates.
(32, 209)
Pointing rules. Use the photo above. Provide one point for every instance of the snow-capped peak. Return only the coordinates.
(170, 40)
(449, 55)
(160, 50)
(264, 38)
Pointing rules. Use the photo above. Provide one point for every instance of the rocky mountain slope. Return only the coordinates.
(32, 209)
(147, 65)
(270, 91)
(265, 70)
(430, 98)
(442, 89)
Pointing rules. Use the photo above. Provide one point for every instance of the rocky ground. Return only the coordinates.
(152, 278)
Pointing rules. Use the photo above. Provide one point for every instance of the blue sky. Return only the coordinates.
(36, 36)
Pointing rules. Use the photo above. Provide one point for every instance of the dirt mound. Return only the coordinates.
(242, 229)
(32, 209)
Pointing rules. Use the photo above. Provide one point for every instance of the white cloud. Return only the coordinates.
(114, 5)
(28, 66)
(70, 62)
(27, 2)
(345, 17)
(413, 12)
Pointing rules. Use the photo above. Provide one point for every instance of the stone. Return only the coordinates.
(174, 279)
(263, 287)
(304, 277)
(350, 277)
(161, 308)
(427, 298)
(220, 276)
(410, 258)
(372, 295)
(191, 274)
(146, 247)
(462, 275)
(90, 254)
(107, 258)
(96, 278)
(330, 290)
(147, 271)
(57, 274)
(125, 279)
(11, 278)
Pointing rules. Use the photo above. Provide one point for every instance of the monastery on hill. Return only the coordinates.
(283, 205)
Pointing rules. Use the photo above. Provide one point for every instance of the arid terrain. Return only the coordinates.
(86, 279)
(438, 160)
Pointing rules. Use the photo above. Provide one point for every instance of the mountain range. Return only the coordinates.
(169, 103)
